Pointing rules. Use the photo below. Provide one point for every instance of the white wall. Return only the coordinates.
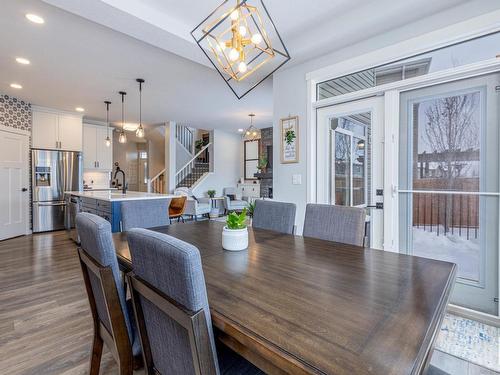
(182, 156)
(290, 92)
(227, 163)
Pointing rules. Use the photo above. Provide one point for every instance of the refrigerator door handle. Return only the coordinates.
(49, 204)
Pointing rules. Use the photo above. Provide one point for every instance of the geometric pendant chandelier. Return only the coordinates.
(242, 43)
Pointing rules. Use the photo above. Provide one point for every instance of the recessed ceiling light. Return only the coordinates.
(16, 86)
(22, 60)
(240, 130)
(80, 109)
(34, 18)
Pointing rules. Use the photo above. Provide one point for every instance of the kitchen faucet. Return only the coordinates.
(124, 184)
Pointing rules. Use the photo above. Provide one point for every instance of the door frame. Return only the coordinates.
(322, 144)
(27, 205)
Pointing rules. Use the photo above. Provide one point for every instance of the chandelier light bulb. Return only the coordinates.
(242, 67)
(256, 38)
(247, 133)
(243, 30)
(234, 54)
(254, 134)
(235, 14)
(108, 142)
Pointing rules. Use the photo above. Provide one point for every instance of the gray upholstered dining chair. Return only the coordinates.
(171, 307)
(275, 216)
(148, 213)
(112, 316)
(335, 223)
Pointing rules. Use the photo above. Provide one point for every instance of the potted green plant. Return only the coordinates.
(262, 165)
(235, 233)
(211, 193)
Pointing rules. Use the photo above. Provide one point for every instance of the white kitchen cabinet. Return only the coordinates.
(70, 133)
(56, 131)
(96, 155)
(44, 130)
(104, 153)
(89, 147)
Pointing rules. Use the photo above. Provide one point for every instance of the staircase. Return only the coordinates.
(185, 137)
(197, 172)
(157, 183)
(194, 169)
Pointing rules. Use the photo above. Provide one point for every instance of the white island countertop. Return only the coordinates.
(117, 196)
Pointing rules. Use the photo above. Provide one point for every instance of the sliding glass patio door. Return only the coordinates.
(449, 183)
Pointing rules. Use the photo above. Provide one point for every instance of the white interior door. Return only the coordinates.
(14, 195)
(350, 161)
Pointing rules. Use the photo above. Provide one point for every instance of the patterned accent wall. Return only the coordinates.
(15, 113)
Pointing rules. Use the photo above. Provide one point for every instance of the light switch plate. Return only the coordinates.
(297, 179)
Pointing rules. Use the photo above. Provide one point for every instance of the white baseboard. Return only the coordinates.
(464, 312)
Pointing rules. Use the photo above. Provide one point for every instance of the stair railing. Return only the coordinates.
(157, 183)
(185, 136)
(189, 166)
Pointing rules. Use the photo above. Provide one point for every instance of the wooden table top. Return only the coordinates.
(313, 306)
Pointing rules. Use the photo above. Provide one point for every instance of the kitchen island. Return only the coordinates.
(106, 204)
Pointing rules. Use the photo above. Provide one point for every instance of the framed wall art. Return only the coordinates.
(289, 139)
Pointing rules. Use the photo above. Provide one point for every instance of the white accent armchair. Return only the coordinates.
(194, 206)
(237, 204)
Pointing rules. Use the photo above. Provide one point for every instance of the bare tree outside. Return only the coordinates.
(452, 131)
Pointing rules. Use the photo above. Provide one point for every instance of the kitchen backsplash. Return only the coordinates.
(97, 180)
(15, 113)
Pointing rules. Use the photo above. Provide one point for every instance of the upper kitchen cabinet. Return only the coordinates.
(96, 155)
(54, 130)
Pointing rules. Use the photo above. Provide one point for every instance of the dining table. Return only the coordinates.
(297, 305)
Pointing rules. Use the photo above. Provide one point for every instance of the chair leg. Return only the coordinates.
(95, 358)
(182, 219)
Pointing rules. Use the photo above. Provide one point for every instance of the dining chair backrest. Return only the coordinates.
(147, 213)
(275, 216)
(171, 305)
(104, 285)
(177, 206)
(335, 223)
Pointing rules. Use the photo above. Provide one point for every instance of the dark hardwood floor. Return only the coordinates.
(45, 321)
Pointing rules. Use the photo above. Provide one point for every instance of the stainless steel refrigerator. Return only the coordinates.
(53, 173)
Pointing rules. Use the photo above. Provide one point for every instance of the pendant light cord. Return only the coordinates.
(140, 104)
(107, 118)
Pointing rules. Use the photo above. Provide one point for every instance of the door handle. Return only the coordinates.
(50, 204)
(24, 189)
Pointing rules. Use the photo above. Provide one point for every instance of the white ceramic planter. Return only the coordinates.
(234, 239)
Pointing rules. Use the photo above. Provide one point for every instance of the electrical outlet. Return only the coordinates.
(297, 179)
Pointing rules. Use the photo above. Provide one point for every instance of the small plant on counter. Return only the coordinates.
(237, 221)
(211, 193)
